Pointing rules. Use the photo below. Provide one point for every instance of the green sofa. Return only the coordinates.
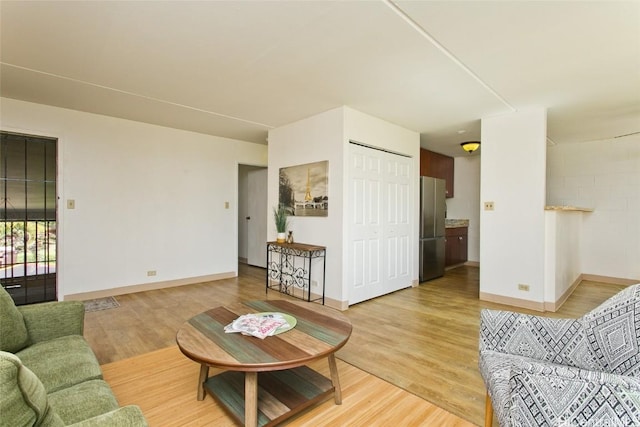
(49, 376)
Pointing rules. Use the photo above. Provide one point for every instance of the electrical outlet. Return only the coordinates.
(522, 287)
(226, 205)
(488, 206)
(151, 273)
(314, 283)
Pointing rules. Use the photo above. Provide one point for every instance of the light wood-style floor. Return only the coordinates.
(163, 384)
(422, 339)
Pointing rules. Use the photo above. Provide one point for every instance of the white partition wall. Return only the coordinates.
(512, 177)
(326, 136)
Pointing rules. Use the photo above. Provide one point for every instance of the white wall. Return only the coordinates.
(314, 139)
(563, 266)
(513, 177)
(605, 176)
(466, 201)
(147, 197)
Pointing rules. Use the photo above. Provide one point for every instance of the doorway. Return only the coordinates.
(28, 232)
(252, 215)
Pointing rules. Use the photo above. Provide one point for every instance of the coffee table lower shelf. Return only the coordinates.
(281, 394)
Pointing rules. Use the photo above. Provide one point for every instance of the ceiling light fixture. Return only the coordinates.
(470, 146)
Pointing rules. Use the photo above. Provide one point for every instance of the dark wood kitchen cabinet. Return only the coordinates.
(456, 246)
(437, 165)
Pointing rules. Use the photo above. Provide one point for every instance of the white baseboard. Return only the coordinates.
(555, 306)
(607, 279)
(147, 287)
(515, 302)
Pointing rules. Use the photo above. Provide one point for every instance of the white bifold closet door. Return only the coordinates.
(381, 212)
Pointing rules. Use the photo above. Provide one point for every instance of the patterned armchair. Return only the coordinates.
(564, 372)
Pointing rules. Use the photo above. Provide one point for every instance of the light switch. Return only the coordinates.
(226, 205)
(71, 204)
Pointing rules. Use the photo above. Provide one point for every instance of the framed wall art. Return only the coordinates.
(304, 189)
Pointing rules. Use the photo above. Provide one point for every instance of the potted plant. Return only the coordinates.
(281, 218)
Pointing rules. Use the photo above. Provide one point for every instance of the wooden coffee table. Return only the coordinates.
(276, 384)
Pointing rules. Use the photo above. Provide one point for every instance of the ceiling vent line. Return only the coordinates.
(402, 14)
(373, 147)
(150, 98)
(627, 134)
(608, 138)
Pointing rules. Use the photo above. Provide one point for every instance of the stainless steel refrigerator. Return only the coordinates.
(432, 240)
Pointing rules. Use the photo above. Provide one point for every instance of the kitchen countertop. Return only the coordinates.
(567, 208)
(455, 223)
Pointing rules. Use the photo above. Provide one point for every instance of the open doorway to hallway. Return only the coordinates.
(252, 215)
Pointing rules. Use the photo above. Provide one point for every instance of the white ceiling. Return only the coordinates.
(239, 68)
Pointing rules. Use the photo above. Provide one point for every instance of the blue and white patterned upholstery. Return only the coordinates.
(564, 372)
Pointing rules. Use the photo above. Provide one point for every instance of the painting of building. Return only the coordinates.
(303, 189)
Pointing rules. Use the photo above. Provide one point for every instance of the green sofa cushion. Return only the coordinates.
(83, 401)
(61, 362)
(13, 331)
(49, 320)
(24, 400)
(128, 416)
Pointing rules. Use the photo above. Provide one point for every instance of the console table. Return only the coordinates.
(289, 269)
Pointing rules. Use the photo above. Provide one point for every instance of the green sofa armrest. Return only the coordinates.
(127, 416)
(51, 320)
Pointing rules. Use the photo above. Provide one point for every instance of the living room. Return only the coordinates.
(153, 194)
(579, 174)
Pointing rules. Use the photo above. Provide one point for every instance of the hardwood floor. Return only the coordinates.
(163, 384)
(422, 339)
